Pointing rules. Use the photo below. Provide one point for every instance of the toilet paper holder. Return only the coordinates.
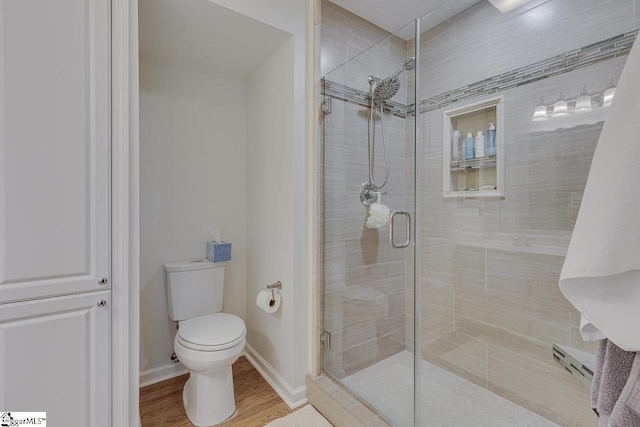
(277, 285)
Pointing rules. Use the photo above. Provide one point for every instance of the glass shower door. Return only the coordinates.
(496, 203)
(368, 164)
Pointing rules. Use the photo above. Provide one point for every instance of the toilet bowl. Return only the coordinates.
(207, 346)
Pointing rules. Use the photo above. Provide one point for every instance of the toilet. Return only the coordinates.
(207, 342)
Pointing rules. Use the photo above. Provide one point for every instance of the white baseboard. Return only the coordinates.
(292, 397)
(161, 373)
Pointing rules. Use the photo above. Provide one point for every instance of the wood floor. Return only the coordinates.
(257, 403)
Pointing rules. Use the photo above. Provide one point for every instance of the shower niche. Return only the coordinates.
(465, 176)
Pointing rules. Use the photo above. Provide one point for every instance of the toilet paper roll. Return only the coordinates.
(265, 302)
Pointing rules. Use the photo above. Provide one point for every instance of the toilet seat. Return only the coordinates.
(211, 332)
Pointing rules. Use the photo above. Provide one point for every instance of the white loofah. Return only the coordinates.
(378, 216)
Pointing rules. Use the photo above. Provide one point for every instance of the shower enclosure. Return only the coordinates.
(465, 325)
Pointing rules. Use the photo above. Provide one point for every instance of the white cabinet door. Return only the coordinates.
(55, 358)
(54, 209)
(54, 147)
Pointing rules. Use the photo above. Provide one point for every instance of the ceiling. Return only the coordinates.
(203, 35)
(395, 14)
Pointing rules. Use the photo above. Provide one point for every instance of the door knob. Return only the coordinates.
(102, 303)
(103, 281)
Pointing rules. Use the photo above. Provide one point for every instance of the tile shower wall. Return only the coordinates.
(364, 298)
(488, 269)
(344, 36)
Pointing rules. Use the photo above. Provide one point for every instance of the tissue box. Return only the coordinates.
(218, 251)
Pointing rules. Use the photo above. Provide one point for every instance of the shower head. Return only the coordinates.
(386, 89)
(410, 64)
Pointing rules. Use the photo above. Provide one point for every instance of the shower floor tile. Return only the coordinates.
(446, 399)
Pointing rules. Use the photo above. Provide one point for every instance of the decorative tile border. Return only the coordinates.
(604, 50)
(358, 97)
(572, 60)
(574, 366)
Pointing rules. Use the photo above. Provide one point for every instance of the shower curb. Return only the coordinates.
(339, 406)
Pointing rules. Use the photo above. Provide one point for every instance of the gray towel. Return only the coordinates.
(615, 391)
(626, 413)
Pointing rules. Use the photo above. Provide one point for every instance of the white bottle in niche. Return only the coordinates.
(457, 152)
(479, 144)
(491, 140)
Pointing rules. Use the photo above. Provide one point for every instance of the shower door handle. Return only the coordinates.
(408, 230)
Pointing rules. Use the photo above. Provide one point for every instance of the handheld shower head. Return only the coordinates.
(408, 65)
(381, 90)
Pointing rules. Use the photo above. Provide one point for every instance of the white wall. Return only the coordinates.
(281, 350)
(289, 16)
(193, 178)
(270, 246)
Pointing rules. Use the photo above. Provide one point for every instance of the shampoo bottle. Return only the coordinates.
(491, 140)
(480, 144)
(469, 152)
(457, 152)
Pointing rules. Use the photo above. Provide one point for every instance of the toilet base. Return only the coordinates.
(208, 396)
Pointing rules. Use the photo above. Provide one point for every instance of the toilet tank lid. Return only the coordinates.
(191, 264)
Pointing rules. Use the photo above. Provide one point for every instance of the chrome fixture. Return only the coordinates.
(387, 88)
(325, 339)
(277, 285)
(368, 194)
(325, 107)
(407, 238)
(380, 90)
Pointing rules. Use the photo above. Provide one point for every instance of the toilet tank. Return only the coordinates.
(194, 288)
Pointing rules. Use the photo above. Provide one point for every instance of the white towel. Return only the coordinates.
(601, 274)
